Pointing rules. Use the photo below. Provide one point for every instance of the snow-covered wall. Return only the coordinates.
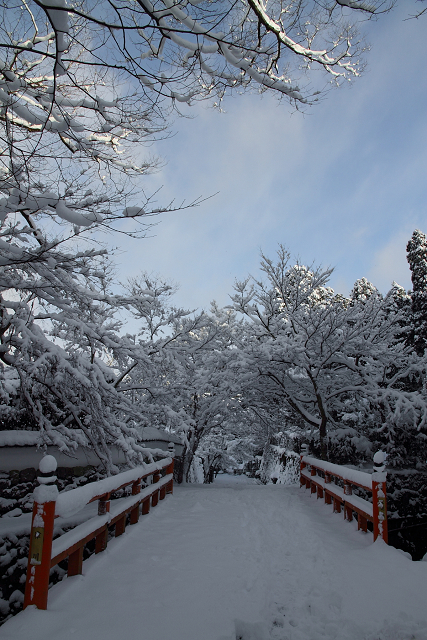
(24, 450)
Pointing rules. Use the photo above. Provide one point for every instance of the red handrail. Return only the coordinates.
(375, 511)
(45, 553)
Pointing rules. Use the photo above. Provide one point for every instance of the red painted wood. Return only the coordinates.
(101, 540)
(104, 504)
(169, 487)
(134, 515)
(169, 471)
(362, 523)
(67, 552)
(75, 562)
(348, 491)
(37, 583)
(38, 574)
(120, 525)
(356, 484)
(379, 501)
(337, 506)
(136, 488)
(126, 484)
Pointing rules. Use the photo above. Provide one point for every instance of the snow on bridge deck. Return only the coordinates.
(237, 561)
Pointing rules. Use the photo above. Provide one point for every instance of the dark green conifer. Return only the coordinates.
(417, 258)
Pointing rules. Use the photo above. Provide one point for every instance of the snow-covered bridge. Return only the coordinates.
(237, 560)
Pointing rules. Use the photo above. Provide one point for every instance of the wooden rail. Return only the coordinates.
(45, 552)
(317, 475)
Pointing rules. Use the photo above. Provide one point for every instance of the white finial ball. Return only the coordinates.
(380, 457)
(48, 464)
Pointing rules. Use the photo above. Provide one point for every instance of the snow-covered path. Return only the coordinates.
(237, 561)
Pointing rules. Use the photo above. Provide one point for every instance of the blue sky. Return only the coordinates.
(342, 185)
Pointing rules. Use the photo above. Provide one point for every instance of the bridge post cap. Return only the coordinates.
(171, 446)
(48, 465)
(380, 457)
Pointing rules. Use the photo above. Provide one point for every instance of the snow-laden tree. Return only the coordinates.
(325, 356)
(190, 389)
(417, 258)
(82, 87)
(65, 364)
(172, 50)
(67, 158)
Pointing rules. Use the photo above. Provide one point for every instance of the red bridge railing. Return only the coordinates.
(317, 476)
(45, 552)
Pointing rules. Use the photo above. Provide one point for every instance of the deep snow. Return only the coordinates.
(237, 560)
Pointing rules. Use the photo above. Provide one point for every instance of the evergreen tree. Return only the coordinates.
(417, 258)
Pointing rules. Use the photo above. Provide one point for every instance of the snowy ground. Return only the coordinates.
(237, 561)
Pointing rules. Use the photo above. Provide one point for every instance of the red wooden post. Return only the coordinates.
(313, 472)
(104, 505)
(169, 470)
(362, 523)
(348, 511)
(169, 486)
(379, 496)
(120, 525)
(102, 538)
(319, 492)
(134, 514)
(145, 507)
(155, 496)
(304, 452)
(37, 583)
(328, 499)
(75, 563)
(337, 506)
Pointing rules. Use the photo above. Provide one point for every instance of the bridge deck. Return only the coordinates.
(240, 561)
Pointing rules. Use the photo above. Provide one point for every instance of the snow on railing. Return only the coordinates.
(375, 511)
(45, 553)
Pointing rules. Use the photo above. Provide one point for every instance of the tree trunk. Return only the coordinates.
(322, 437)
